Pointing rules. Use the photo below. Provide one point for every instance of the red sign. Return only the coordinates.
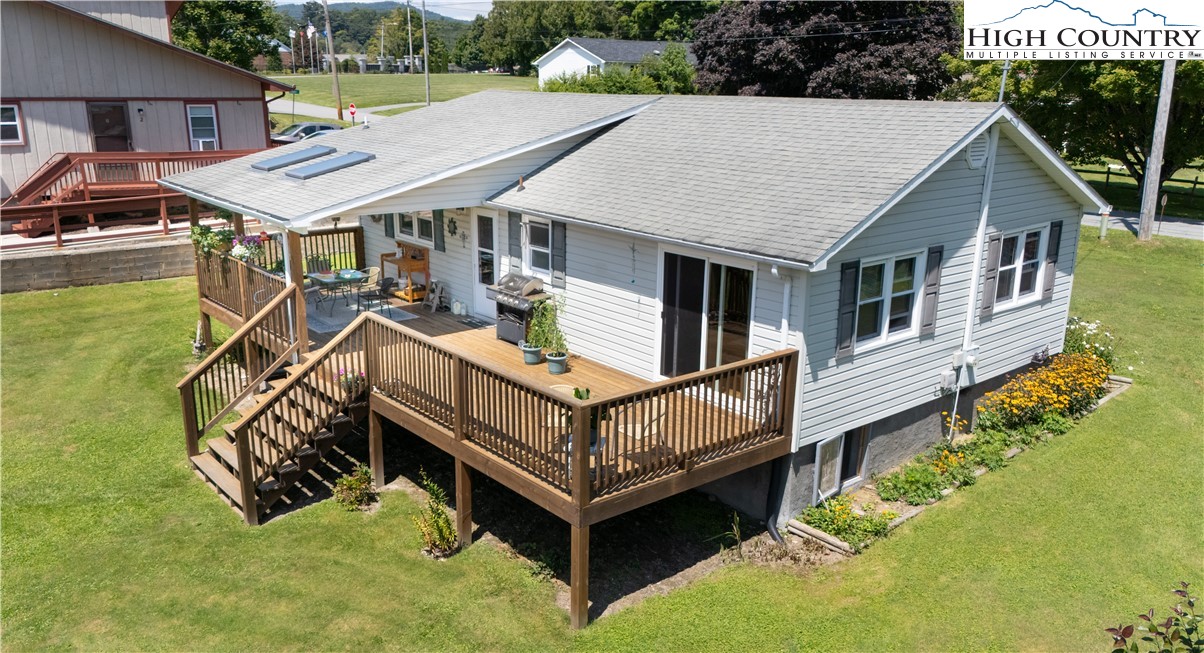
(351, 108)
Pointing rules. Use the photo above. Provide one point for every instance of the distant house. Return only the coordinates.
(583, 56)
(110, 80)
(286, 58)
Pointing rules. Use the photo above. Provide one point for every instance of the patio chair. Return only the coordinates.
(381, 295)
(371, 280)
(642, 419)
(317, 263)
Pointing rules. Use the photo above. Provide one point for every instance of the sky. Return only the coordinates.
(463, 9)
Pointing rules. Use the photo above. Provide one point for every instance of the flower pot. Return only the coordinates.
(557, 363)
(531, 354)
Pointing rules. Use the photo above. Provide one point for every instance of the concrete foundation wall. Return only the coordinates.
(893, 440)
(90, 266)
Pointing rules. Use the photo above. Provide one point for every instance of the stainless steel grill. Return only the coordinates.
(515, 295)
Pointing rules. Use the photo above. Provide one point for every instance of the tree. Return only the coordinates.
(671, 71)
(517, 33)
(661, 20)
(1094, 110)
(233, 32)
(845, 49)
(467, 52)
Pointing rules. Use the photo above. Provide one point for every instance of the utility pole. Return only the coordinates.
(382, 43)
(1153, 161)
(334, 63)
(410, 29)
(1003, 81)
(426, 57)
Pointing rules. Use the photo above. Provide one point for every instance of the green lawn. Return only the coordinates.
(378, 90)
(109, 542)
(1124, 194)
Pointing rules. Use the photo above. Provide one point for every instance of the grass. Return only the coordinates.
(379, 90)
(1079, 534)
(394, 112)
(109, 542)
(1124, 194)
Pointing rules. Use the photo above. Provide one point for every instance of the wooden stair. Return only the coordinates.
(218, 465)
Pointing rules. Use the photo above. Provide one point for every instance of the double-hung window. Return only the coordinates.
(419, 225)
(886, 298)
(202, 127)
(10, 124)
(1020, 257)
(539, 248)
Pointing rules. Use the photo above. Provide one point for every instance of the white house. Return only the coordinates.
(584, 56)
(881, 239)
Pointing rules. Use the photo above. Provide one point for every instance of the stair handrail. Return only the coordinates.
(192, 429)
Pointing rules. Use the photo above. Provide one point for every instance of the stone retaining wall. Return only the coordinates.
(96, 265)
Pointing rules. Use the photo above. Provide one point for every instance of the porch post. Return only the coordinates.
(194, 219)
(463, 503)
(296, 275)
(240, 229)
(376, 451)
(579, 578)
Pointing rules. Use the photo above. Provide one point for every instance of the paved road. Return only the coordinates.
(285, 105)
(1169, 226)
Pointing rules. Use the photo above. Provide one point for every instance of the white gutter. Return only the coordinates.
(980, 240)
(787, 286)
(795, 265)
(231, 206)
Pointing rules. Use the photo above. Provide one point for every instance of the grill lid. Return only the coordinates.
(521, 285)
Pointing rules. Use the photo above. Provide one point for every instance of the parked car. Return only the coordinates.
(300, 130)
(317, 134)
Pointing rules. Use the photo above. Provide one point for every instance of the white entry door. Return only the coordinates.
(485, 256)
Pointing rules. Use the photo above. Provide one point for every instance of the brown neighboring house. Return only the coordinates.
(113, 82)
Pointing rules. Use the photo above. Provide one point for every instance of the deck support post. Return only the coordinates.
(240, 229)
(376, 450)
(250, 511)
(463, 503)
(296, 276)
(579, 578)
(194, 212)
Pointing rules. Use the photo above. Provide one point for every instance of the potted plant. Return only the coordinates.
(207, 240)
(543, 316)
(558, 349)
(595, 417)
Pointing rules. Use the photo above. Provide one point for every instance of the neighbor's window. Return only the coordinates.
(420, 225)
(886, 298)
(202, 126)
(10, 124)
(539, 247)
(1020, 267)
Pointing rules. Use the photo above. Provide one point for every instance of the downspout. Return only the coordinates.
(965, 360)
(777, 474)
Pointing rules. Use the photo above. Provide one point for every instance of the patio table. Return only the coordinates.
(338, 282)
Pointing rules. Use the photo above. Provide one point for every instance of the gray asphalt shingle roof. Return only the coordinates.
(620, 51)
(410, 147)
(783, 178)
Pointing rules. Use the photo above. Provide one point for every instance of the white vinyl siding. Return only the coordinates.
(570, 59)
(905, 373)
(202, 127)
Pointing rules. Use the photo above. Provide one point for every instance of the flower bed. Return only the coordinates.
(1030, 408)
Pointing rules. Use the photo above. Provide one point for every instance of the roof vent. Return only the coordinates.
(284, 160)
(329, 165)
(976, 152)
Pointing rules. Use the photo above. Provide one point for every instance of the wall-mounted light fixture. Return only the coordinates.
(141, 114)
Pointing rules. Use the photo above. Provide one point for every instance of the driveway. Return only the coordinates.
(1168, 226)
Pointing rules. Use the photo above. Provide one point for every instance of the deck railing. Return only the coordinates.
(239, 366)
(239, 287)
(342, 247)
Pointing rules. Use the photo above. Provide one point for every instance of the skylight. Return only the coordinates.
(329, 165)
(277, 162)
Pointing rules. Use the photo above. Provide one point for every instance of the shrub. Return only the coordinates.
(433, 522)
(987, 447)
(354, 491)
(1056, 424)
(1083, 337)
(835, 517)
(916, 483)
(1183, 630)
(1068, 386)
